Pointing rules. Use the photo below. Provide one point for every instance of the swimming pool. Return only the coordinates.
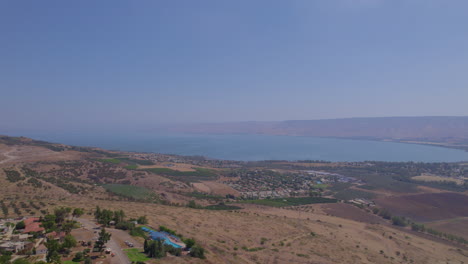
(155, 235)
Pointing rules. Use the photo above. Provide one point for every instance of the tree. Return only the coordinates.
(97, 213)
(193, 204)
(88, 260)
(156, 249)
(5, 258)
(197, 252)
(119, 216)
(189, 242)
(142, 220)
(398, 221)
(52, 251)
(20, 225)
(145, 246)
(77, 212)
(69, 241)
(79, 256)
(48, 222)
(68, 226)
(104, 237)
(61, 214)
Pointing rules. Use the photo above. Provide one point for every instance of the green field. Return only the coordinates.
(280, 202)
(131, 167)
(113, 161)
(135, 255)
(130, 191)
(222, 207)
(199, 174)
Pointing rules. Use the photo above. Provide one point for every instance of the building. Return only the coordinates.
(20, 237)
(41, 249)
(12, 246)
(55, 236)
(32, 224)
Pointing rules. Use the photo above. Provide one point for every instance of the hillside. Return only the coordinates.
(447, 130)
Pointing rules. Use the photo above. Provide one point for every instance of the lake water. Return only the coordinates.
(263, 147)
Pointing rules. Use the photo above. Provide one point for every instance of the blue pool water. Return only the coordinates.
(155, 235)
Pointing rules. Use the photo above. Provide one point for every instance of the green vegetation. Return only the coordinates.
(200, 195)
(13, 175)
(222, 207)
(293, 201)
(131, 167)
(200, 174)
(131, 163)
(399, 221)
(105, 216)
(135, 255)
(113, 161)
(136, 161)
(103, 238)
(129, 191)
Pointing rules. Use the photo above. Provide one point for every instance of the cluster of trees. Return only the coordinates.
(82, 256)
(105, 216)
(55, 248)
(157, 249)
(13, 175)
(60, 220)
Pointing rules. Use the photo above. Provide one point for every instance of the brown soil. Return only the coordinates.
(351, 212)
(457, 226)
(427, 206)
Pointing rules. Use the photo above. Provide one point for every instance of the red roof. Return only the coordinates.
(31, 220)
(33, 227)
(54, 234)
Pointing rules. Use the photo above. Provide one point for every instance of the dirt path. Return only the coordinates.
(120, 256)
(8, 156)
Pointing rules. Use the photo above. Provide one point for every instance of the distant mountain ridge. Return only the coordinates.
(445, 129)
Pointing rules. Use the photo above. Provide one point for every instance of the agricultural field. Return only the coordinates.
(292, 201)
(349, 211)
(427, 207)
(458, 226)
(130, 191)
(435, 178)
(222, 207)
(200, 174)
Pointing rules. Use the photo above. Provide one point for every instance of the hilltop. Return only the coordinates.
(446, 131)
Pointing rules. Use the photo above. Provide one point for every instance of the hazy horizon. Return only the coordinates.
(92, 66)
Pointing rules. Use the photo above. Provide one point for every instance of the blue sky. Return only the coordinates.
(65, 65)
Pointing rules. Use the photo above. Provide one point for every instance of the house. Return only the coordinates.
(55, 236)
(20, 237)
(41, 249)
(32, 224)
(12, 246)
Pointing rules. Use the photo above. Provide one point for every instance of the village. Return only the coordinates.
(267, 184)
(109, 238)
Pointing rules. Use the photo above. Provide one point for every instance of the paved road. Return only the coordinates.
(120, 256)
